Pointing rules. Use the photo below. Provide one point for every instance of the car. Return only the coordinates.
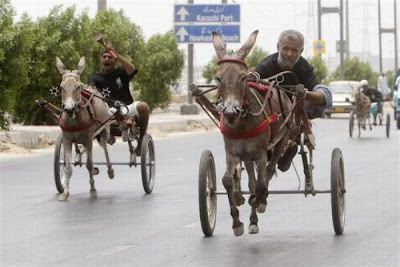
(342, 96)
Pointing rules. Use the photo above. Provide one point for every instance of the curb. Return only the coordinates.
(39, 136)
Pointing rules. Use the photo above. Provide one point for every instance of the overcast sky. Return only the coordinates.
(270, 17)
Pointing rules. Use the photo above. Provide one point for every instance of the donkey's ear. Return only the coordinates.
(246, 48)
(60, 66)
(81, 66)
(218, 45)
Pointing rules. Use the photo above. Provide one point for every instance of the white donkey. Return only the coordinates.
(81, 120)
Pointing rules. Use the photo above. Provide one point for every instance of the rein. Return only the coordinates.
(89, 98)
(262, 126)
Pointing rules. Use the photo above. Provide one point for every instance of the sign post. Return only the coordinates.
(195, 24)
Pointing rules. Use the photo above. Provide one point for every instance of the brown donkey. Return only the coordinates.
(252, 131)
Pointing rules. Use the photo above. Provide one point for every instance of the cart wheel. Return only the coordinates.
(351, 123)
(59, 164)
(338, 190)
(207, 196)
(148, 163)
(398, 122)
(387, 125)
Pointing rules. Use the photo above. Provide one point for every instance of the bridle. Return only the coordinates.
(243, 111)
(77, 106)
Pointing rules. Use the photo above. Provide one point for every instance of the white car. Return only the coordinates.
(342, 96)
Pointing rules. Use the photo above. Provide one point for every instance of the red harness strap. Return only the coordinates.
(79, 128)
(87, 95)
(253, 133)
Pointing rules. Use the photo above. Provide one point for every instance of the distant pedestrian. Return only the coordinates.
(383, 86)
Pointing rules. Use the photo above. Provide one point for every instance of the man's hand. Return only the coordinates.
(301, 91)
(253, 77)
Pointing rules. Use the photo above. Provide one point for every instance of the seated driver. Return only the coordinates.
(374, 95)
(288, 58)
(114, 81)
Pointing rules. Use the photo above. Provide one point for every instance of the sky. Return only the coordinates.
(270, 17)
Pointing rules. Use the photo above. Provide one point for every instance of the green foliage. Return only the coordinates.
(163, 67)
(6, 46)
(28, 50)
(320, 68)
(256, 56)
(210, 69)
(356, 70)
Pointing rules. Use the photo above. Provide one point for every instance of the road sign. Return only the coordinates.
(207, 13)
(319, 47)
(202, 33)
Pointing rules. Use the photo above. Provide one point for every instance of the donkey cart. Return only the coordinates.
(207, 186)
(120, 127)
(365, 122)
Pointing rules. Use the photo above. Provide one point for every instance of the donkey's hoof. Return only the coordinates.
(262, 208)
(93, 193)
(111, 173)
(95, 171)
(239, 199)
(253, 229)
(253, 202)
(238, 231)
(63, 197)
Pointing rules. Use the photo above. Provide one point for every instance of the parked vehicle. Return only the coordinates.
(341, 97)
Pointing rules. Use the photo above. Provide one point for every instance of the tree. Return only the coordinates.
(320, 68)
(256, 56)
(356, 70)
(163, 66)
(6, 44)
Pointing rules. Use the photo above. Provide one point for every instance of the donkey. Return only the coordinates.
(362, 109)
(80, 121)
(239, 118)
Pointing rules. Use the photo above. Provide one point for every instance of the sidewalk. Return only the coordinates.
(164, 121)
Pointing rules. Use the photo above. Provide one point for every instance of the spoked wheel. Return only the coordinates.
(398, 121)
(387, 125)
(207, 196)
(351, 123)
(338, 191)
(59, 164)
(148, 163)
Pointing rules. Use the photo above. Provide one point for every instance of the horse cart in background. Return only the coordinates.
(85, 117)
(363, 121)
(207, 185)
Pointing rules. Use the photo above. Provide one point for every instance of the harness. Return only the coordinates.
(253, 88)
(86, 97)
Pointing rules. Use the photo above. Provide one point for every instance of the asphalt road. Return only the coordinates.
(125, 227)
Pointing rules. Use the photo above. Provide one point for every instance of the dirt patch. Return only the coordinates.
(11, 148)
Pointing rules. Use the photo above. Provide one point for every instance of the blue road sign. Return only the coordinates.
(202, 33)
(207, 13)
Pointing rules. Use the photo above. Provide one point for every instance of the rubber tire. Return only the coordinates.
(351, 124)
(338, 191)
(387, 125)
(148, 163)
(207, 197)
(398, 122)
(58, 168)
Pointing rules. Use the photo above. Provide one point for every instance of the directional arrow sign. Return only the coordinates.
(202, 33)
(207, 13)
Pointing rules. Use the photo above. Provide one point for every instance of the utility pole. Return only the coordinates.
(341, 47)
(387, 30)
(101, 4)
(347, 30)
